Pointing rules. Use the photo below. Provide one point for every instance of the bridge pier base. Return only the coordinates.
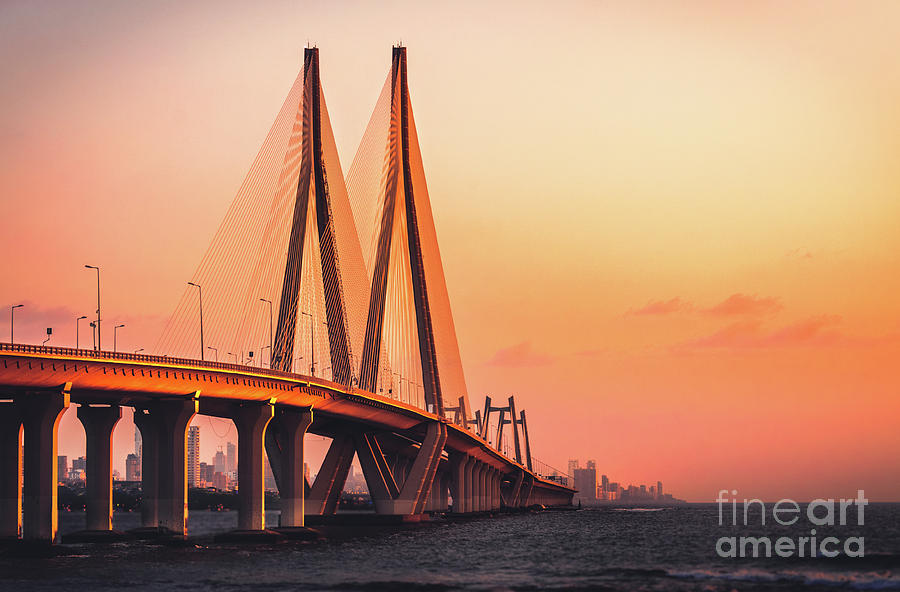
(287, 430)
(10, 471)
(251, 420)
(99, 423)
(173, 416)
(40, 413)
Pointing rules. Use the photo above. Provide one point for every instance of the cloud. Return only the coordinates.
(521, 354)
(799, 254)
(741, 304)
(818, 331)
(662, 307)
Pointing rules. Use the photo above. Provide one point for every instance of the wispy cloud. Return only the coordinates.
(744, 305)
(662, 307)
(818, 331)
(521, 354)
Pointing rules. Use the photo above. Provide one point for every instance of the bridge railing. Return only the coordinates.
(542, 469)
(142, 358)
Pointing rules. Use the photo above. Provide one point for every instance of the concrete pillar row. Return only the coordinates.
(40, 413)
(99, 423)
(251, 420)
(289, 426)
(10, 470)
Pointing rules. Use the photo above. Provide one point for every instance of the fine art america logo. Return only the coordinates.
(786, 512)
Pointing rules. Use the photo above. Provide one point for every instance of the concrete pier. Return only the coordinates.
(251, 419)
(99, 422)
(10, 470)
(289, 427)
(41, 412)
(173, 416)
(146, 423)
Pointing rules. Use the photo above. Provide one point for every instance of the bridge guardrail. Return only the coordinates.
(126, 357)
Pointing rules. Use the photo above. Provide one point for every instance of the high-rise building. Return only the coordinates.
(592, 465)
(659, 490)
(138, 443)
(79, 464)
(231, 457)
(219, 464)
(586, 484)
(132, 468)
(62, 464)
(604, 482)
(573, 464)
(193, 456)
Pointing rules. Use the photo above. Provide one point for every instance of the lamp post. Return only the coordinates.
(200, 294)
(94, 333)
(215, 350)
(312, 345)
(49, 334)
(76, 329)
(235, 356)
(271, 351)
(98, 302)
(137, 351)
(115, 331)
(12, 320)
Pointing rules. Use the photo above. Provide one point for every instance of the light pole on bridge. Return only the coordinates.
(12, 320)
(271, 353)
(76, 330)
(98, 302)
(235, 356)
(115, 331)
(137, 351)
(200, 294)
(214, 350)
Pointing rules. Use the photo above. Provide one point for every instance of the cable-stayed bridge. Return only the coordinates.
(327, 300)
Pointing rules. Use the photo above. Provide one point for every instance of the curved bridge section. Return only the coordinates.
(413, 461)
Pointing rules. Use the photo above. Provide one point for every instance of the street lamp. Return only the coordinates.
(137, 351)
(12, 320)
(115, 330)
(235, 356)
(271, 351)
(76, 329)
(200, 293)
(49, 334)
(98, 302)
(215, 350)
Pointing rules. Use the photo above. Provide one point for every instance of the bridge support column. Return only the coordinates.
(10, 471)
(172, 420)
(457, 472)
(287, 430)
(468, 486)
(146, 423)
(325, 492)
(476, 487)
(416, 490)
(99, 423)
(40, 414)
(498, 500)
(251, 420)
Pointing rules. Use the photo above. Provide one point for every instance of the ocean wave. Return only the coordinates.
(852, 580)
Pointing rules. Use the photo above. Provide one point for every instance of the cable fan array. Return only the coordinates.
(340, 280)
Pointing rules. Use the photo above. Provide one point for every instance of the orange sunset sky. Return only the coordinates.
(670, 229)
